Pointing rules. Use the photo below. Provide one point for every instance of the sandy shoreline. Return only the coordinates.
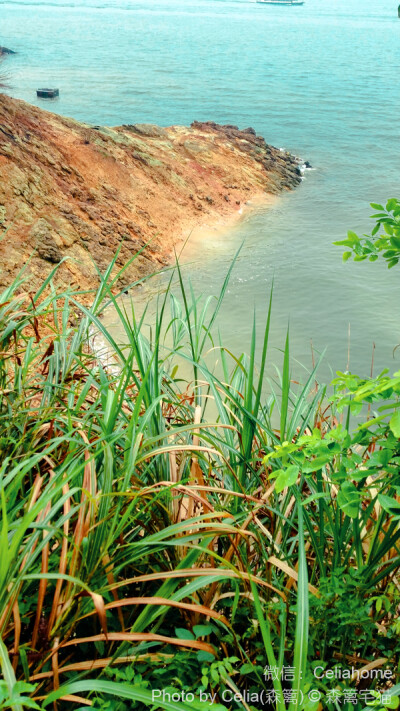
(195, 235)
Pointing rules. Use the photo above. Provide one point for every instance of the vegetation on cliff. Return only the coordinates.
(187, 532)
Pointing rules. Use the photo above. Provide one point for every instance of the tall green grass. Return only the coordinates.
(128, 512)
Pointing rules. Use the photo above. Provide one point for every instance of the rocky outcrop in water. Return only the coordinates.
(78, 193)
(282, 167)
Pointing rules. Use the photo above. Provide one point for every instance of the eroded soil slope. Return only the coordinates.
(80, 192)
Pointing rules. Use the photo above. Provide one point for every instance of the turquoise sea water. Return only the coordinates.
(320, 80)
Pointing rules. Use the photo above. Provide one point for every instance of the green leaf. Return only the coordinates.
(314, 497)
(392, 703)
(25, 701)
(265, 629)
(391, 506)
(344, 243)
(285, 388)
(203, 656)
(124, 691)
(394, 423)
(214, 674)
(377, 206)
(346, 256)
(181, 633)
(353, 237)
(349, 499)
(302, 613)
(8, 672)
(246, 669)
(391, 204)
(287, 477)
(202, 630)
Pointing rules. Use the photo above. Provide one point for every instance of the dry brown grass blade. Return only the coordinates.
(41, 593)
(40, 432)
(76, 699)
(17, 633)
(371, 665)
(4, 619)
(201, 609)
(191, 493)
(43, 581)
(350, 658)
(354, 659)
(180, 448)
(291, 572)
(108, 567)
(198, 478)
(197, 572)
(212, 489)
(89, 486)
(196, 421)
(140, 637)
(174, 478)
(196, 475)
(221, 515)
(90, 664)
(184, 509)
(99, 604)
(55, 669)
(266, 532)
(37, 485)
(56, 606)
(224, 596)
(84, 516)
(69, 697)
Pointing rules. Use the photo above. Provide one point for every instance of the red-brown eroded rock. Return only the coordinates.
(81, 192)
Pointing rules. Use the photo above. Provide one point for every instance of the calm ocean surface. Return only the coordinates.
(321, 80)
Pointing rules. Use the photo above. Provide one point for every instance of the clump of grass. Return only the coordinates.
(129, 513)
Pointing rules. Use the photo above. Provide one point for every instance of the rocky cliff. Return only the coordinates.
(80, 192)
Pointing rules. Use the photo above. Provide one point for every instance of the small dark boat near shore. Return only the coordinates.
(47, 93)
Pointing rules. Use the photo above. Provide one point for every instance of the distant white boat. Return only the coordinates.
(281, 2)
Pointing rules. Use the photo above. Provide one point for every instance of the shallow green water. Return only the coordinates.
(320, 80)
